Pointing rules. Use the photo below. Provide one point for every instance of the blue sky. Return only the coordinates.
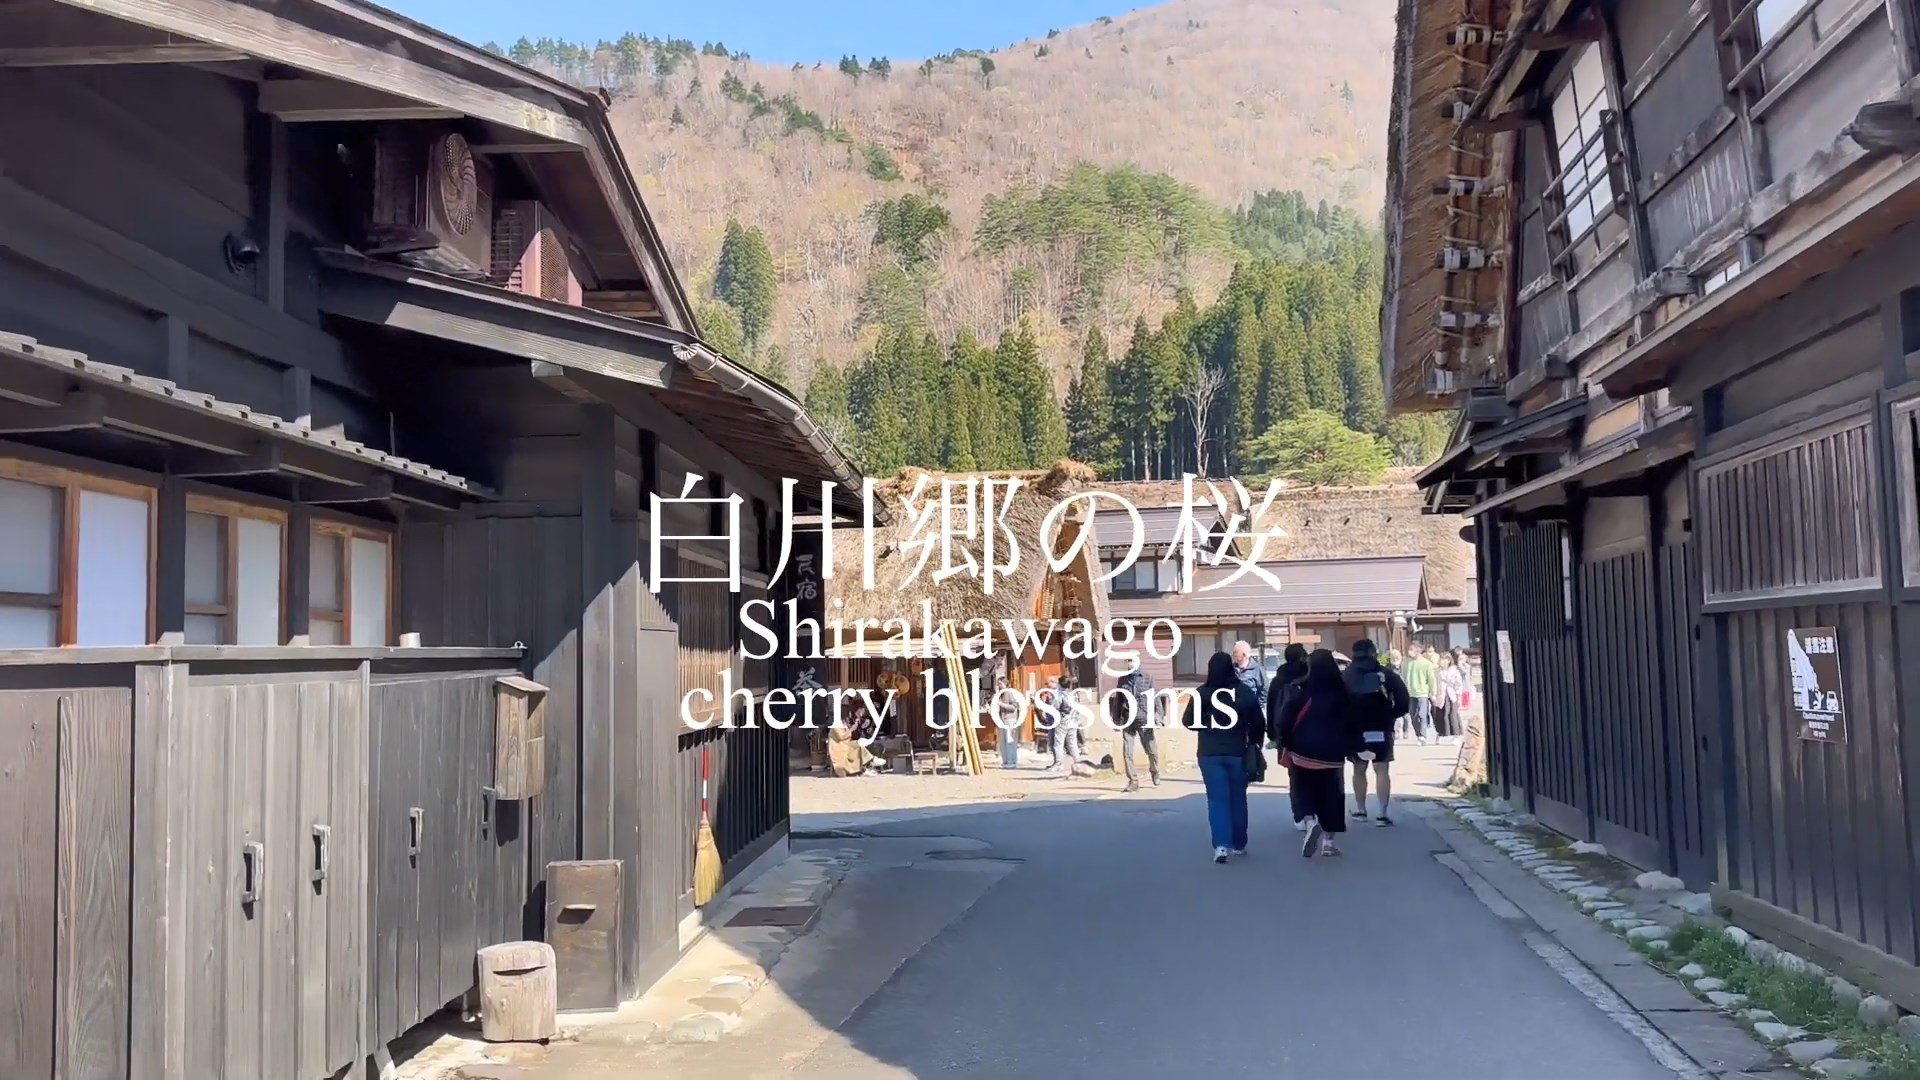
(782, 31)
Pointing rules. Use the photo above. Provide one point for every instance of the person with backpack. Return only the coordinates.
(1130, 712)
(1380, 699)
(1316, 733)
(1293, 669)
(1227, 720)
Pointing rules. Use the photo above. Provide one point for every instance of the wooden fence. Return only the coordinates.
(243, 862)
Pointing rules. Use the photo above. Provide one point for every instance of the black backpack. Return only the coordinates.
(1372, 701)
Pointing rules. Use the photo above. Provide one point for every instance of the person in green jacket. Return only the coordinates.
(1421, 676)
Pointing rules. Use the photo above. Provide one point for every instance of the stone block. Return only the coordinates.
(1775, 1032)
(1738, 936)
(1649, 933)
(1709, 983)
(1692, 971)
(1693, 903)
(1876, 1011)
(1811, 1050)
(1655, 881)
(1843, 1067)
(1584, 847)
(1909, 1028)
(1727, 1000)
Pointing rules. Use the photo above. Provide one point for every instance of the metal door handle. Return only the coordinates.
(322, 851)
(415, 827)
(487, 798)
(253, 860)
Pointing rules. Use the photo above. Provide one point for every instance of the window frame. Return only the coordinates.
(1904, 417)
(1196, 666)
(231, 512)
(69, 483)
(347, 532)
(1601, 141)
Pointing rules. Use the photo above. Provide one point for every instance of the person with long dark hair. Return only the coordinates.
(1317, 732)
(1293, 669)
(1227, 719)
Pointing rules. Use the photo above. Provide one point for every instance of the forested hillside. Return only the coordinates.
(941, 253)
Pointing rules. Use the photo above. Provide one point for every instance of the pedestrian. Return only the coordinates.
(1379, 700)
(1248, 670)
(1008, 712)
(1423, 684)
(1228, 722)
(1316, 734)
(1449, 699)
(1063, 742)
(1130, 710)
(1293, 668)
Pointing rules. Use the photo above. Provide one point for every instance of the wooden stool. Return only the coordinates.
(519, 994)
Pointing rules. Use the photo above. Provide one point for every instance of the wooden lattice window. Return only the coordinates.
(76, 558)
(1796, 517)
(1906, 472)
(350, 585)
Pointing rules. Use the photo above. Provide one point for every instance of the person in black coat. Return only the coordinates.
(1317, 732)
(1293, 669)
(1228, 720)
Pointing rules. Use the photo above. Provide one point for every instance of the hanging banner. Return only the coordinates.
(1503, 651)
(1813, 661)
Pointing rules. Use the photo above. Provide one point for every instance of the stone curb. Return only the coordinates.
(1496, 825)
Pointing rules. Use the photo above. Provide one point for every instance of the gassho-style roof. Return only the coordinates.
(1379, 521)
(962, 596)
(348, 61)
(1444, 190)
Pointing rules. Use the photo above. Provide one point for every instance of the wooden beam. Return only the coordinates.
(1511, 120)
(262, 34)
(497, 149)
(83, 410)
(1585, 31)
(263, 458)
(501, 326)
(101, 55)
(377, 488)
(302, 101)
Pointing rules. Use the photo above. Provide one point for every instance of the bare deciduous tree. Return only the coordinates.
(1201, 390)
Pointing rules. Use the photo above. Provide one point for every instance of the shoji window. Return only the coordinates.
(1580, 109)
(350, 585)
(236, 568)
(75, 558)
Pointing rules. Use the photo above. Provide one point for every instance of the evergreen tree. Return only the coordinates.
(1027, 387)
(1316, 448)
(745, 279)
(1090, 421)
(1360, 360)
(679, 119)
(1326, 386)
(1245, 370)
(720, 326)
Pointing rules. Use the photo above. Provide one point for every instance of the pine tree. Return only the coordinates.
(1090, 423)
(745, 279)
(1326, 386)
(1028, 387)
(679, 119)
(1239, 407)
(1360, 368)
(1287, 350)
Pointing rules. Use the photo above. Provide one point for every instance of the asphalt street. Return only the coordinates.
(1117, 948)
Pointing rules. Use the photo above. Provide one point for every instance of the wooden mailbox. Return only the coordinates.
(519, 738)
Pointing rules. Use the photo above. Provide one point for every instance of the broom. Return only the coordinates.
(706, 853)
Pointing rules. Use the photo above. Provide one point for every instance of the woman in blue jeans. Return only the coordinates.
(1227, 719)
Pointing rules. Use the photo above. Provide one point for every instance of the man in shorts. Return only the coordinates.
(1379, 698)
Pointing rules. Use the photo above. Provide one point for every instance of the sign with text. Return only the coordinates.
(1813, 661)
(1503, 652)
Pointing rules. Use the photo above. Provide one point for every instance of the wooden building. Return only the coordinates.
(1662, 255)
(1353, 562)
(340, 361)
(1033, 590)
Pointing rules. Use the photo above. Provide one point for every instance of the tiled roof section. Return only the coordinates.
(1159, 525)
(21, 348)
(1307, 587)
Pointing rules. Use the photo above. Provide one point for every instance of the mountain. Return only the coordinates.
(1077, 180)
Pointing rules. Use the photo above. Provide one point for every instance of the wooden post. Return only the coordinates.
(518, 994)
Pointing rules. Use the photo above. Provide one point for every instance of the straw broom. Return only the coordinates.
(706, 853)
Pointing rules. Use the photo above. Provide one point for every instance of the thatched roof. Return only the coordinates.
(1371, 521)
(1426, 366)
(961, 596)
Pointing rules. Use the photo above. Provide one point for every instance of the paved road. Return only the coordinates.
(1118, 949)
